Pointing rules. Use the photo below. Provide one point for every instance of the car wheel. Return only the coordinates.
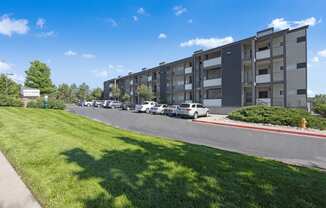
(147, 110)
(195, 115)
(206, 115)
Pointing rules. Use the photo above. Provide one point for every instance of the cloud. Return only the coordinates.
(190, 21)
(281, 23)
(311, 93)
(162, 36)
(141, 11)
(135, 18)
(88, 56)
(315, 59)
(179, 10)
(70, 53)
(105, 73)
(207, 42)
(112, 22)
(322, 53)
(4, 66)
(40, 23)
(18, 78)
(102, 73)
(9, 26)
(46, 34)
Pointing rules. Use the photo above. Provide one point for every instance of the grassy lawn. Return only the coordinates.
(71, 161)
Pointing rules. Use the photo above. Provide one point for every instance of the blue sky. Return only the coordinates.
(94, 40)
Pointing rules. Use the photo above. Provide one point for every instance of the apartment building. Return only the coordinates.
(269, 68)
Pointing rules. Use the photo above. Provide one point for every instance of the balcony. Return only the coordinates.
(263, 54)
(149, 78)
(264, 78)
(212, 62)
(264, 101)
(188, 70)
(212, 102)
(188, 86)
(212, 82)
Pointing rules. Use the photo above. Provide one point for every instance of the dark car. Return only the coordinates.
(172, 110)
(127, 106)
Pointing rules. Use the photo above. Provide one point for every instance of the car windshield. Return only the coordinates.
(145, 103)
(158, 105)
(184, 105)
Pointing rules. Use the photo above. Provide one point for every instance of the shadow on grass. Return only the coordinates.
(153, 175)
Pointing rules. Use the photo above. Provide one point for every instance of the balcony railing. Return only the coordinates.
(212, 82)
(264, 78)
(188, 86)
(212, 62)
(263, 101)
(212, 102)
(188, 70)
(263, 54)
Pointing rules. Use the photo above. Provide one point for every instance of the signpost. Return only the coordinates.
(46, 98)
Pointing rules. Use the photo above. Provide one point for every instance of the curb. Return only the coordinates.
(311, 134)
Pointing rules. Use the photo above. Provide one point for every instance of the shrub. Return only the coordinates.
(320, 109)
(6, 100)
(52, 104)
(277, 116)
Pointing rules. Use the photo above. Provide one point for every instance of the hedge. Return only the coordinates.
(6, 100)
(52, 104)
(320, 109)
(277, 116)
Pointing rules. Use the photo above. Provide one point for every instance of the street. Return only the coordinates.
(300, 150)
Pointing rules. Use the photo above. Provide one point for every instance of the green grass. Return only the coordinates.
(277, 116)
(71, 161)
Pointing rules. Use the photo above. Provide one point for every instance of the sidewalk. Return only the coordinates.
(224, 121)
(13, 192)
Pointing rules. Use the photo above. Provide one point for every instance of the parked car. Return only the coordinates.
(193, 110)
(172, 110)
(98, 103)
(127, 106)
(158, 109)
(145, 107)
(106, 103)
(114, 104)
(87, 103)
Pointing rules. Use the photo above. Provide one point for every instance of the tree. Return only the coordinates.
(64, 93)
(83, 92)
(39, 76)
(74, 91)
(125, 97)
(97, 93)
(115, 92)
(145, 92)
(8, 86)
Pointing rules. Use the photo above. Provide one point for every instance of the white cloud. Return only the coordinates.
(88, 56)
(40, 23)
(4, 66)
(102, 73)
(112, 22)
(46, 34)
(141, 11)
(322, 53)
(70, 53)
(311, 93)
(179, 10)
(190, 21)
(18, 78)
(281, 23)
(207, 42)
(315, 59)
(162, 36)
(135, 18)
(9, 26)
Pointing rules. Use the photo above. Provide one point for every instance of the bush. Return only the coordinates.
(320, 109)
(6, 100)
(277, 116)
(52, 104)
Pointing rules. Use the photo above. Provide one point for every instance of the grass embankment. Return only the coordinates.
(71, 161)
(278, 116)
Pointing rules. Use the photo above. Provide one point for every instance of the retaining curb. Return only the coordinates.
(311, 134)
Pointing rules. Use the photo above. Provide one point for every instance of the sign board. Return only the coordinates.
(27, 93)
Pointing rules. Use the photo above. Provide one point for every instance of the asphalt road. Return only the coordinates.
(300, 150)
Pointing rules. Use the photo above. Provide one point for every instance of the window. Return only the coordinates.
(301, 91)
(206, 57)
(281, 44)
(301, 65)
(301, 39)
(263, 94)
(213, 73)
(262, 71)
(213, 93)
(281, 92)
(281, 68)
(200, 106)
(263, 48)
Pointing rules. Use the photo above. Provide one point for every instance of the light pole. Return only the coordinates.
(7, 77)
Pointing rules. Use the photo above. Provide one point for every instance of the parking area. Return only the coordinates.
(287, 148)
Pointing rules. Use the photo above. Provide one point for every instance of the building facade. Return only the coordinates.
(269, 68)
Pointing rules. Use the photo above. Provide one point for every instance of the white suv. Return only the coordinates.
(145, 107)
(193, 110)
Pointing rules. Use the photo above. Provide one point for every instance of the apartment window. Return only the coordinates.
(301, 91)
(188, 95)
(262, 71)
(301, 39)
(213, 74)
(219, 53)
(281, 68)
(189, 80)
(281, 92)
(263, 48)
(301, 65)
(281, 43)
(263, 94)
(213, 93)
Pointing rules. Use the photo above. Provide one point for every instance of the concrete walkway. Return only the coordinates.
(13, 192)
